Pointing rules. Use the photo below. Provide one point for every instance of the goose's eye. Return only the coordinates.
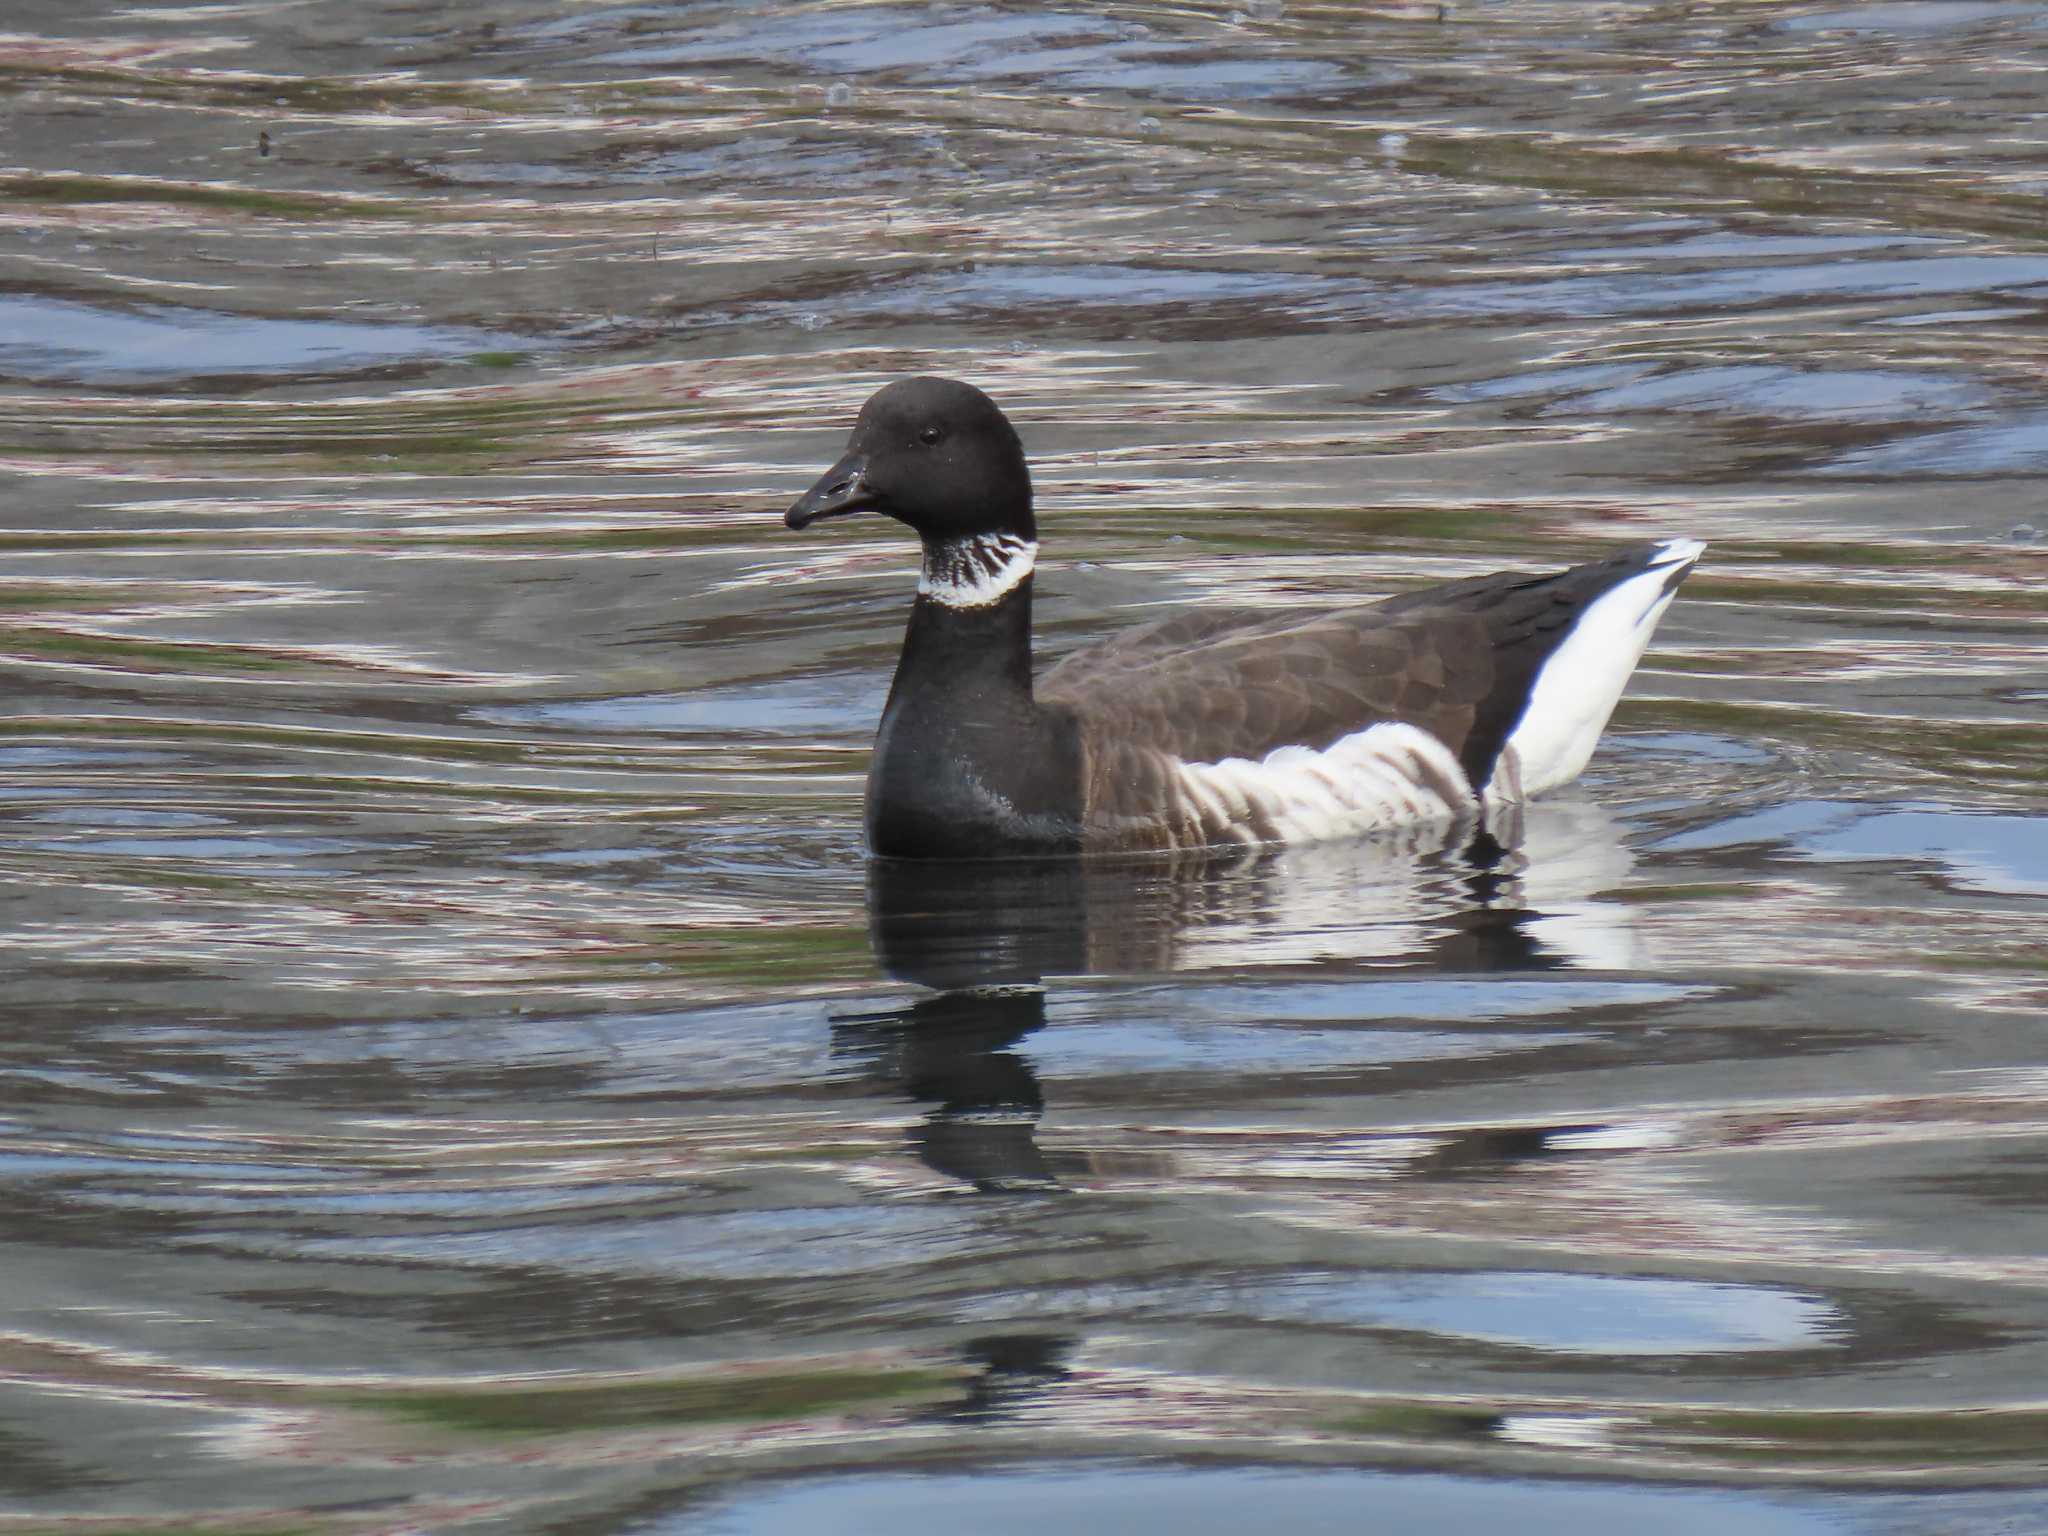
(930, 436)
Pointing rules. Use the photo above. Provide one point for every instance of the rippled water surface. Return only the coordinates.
(460, 1070)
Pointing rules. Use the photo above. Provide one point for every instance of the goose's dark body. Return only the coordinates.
(1212, 727)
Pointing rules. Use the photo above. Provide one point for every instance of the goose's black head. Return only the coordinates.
(935, 454)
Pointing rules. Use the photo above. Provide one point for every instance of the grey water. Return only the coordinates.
(460, 1069)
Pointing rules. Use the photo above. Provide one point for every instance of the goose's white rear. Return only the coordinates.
(1580, 683)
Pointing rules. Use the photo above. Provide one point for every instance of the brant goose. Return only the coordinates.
(1212, 728)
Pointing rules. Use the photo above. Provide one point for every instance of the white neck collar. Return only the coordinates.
(976, 572)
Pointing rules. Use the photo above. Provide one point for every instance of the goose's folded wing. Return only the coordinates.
(1238, 685)
(1457, 661)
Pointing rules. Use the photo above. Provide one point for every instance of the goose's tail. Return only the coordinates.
(1581, 680)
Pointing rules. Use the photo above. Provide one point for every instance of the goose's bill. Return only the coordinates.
(840, 492)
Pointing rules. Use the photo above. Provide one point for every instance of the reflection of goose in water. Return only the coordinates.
(987, 936)
(1524, 896)
(953, 1051)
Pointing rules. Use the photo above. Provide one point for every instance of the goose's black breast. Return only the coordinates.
(994, 781)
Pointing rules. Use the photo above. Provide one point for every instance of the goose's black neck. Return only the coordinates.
(966, 763)
(970, 628)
